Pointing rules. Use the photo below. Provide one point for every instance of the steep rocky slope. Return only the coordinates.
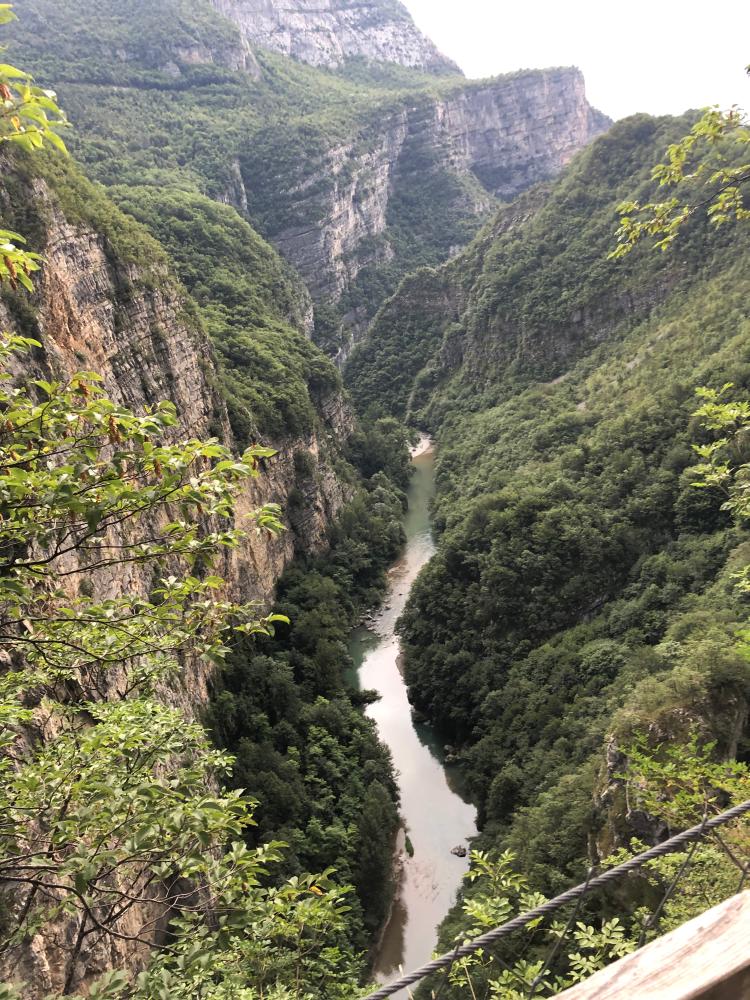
(350, 207)
(107, 301)
(357, 177)
(330, 32)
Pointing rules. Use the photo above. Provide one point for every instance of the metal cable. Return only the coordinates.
(445, 961)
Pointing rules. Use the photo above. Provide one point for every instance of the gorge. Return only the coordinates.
(301, 226)
(338, 171)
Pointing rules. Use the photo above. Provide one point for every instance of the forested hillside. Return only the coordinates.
(583, 586)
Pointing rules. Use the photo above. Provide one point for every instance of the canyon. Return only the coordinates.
(345, 208)
(298, 222)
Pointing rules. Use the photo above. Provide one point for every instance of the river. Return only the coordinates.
(437, 818)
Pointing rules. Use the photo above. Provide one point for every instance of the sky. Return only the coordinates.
(658, 56)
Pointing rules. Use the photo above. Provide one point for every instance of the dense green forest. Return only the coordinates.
(589, 589)
(304, 750)
(583, 586)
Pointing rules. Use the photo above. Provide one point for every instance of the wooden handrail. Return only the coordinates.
(707, 958)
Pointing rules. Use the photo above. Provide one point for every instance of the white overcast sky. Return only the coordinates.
(658, 56)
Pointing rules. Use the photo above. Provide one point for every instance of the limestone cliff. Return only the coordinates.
(330, 32)
(98, 308)
(131, 322)
(363, 204)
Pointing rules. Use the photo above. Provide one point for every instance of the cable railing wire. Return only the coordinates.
(695, 833)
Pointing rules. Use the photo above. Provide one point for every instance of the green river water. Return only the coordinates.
(436, 816)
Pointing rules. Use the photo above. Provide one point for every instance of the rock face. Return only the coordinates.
(329, 32)
(489, 140)
(95, 312)
(238, 56)
(517, 130)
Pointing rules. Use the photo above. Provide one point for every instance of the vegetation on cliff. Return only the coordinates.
(117, 829)
(275, 380)
(590, 585)
(534, 291)
(112, 821)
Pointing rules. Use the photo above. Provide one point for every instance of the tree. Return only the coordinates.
(500, 893)
(709, 169)
(29, 115)
(374, 879)
(112, 807)
(725, 461)
(29, 118)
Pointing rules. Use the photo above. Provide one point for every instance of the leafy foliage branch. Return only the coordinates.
(678, 784)
(29, 118)
(710, 166)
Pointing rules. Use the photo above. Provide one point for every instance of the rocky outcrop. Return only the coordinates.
(330, 32)
(97, 313)
(494, 139)
(235, 55)
(516, 130)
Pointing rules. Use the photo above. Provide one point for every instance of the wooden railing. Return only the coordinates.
(707, 958)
